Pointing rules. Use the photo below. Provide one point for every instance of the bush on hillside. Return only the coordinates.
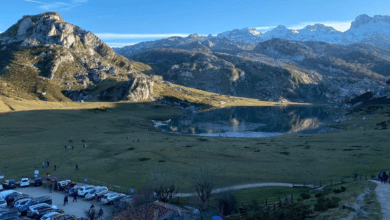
(305, 196)
(336, 191)
(227, 203)
(326, 203)
(343, 189)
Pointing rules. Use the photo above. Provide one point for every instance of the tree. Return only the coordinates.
(164, 183)
(227, 203)
(203, 181)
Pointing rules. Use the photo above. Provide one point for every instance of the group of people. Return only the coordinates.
(383, 177)
(45, 164)
(91, 212)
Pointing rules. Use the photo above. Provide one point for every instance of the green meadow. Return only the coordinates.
(29, 138)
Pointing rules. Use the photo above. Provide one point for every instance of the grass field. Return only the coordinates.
(29, 138)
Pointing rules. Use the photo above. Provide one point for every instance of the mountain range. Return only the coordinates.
(314, 64)
(46, 58)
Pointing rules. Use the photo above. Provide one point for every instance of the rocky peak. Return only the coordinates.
(319, 28)
(364, 19)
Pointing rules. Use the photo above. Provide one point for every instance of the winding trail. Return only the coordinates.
(382, 192)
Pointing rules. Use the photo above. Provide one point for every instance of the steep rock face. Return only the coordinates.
(65, 56)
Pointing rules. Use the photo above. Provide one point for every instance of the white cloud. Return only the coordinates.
(338, 25)
(58, 5)
(265, 28)
(111, 44)
(34, 2)
(137, 36)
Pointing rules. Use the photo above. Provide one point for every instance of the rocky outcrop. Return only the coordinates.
(69, 58)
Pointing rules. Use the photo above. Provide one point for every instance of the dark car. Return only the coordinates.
(38, 181)
(23, 196)
(9, 214)
(43, 212)
(9, 184)
(11, 199)
(73, 190)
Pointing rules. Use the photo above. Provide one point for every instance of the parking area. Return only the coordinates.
(79, 208)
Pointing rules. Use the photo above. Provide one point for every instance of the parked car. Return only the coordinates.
(124, 202)
(42, 199)
(5, 193)
(109, 197)
(99, 190)
(62, 185)
(21, 202)
(3, 203)
(32, 210)
(11, 197)
(38, 181)
(63, 216)
(22, 197)
(24, 182)
(9, 214)
(84, 190)
(74, 190)
(9, 184)
(41, 212)
(49, 215)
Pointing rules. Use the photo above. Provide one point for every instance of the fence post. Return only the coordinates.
(314, 184)
(303, 184)
(320, 184)
(274, 208)
(293, 184)
(266, 202)
(292, 201)
(268, 210)
(331, 183)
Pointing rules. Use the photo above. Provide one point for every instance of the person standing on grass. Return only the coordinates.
(355, 176)
(72, 147)
(55, 167)
(77, 166)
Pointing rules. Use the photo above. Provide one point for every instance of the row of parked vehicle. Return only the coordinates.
(24, 182)
(15, 204)
(20, 204)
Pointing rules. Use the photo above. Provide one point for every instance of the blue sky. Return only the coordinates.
(122, 22)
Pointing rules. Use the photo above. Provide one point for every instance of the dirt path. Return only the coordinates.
(382, 193)
(242, 187)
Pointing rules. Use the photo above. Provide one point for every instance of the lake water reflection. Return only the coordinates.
(251, 121)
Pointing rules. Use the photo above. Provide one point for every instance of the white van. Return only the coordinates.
(84, 190)
(24, 182)
(5, 193)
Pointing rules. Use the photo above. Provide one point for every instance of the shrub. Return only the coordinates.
(320, 194)
(336, 191)
(325, 203)
(227, 203)
(343, 189)
(305, 196)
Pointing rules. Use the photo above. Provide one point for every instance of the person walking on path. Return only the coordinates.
(77, 166)
(385, 177)
(100, 213)
(380, 176)
(72, 147)
(75, 197)
(55, 167)
(48, 164)
(65, 200)
(91, 212)
(43, 164)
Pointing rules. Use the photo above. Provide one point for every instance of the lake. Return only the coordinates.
(252, 121)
